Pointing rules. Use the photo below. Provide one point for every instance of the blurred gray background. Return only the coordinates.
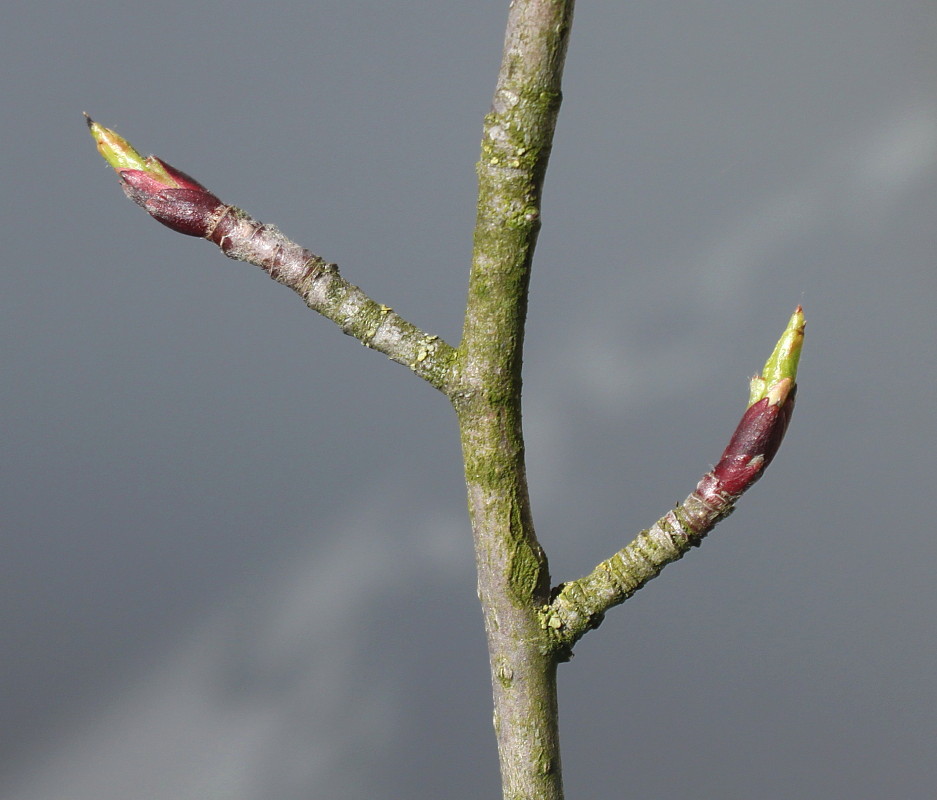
(236, 560)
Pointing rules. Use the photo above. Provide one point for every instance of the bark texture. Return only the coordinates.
(513, 576)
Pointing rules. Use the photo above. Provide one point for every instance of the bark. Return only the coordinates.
(513, 576)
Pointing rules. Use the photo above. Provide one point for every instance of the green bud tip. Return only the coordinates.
(121, 155)
(781, 365)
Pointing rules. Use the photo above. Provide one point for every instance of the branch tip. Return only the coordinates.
(783, 361)
(167, 194)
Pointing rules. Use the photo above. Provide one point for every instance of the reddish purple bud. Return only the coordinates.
(170, 196)
(753, 445)
(189, 209)
(759, 434)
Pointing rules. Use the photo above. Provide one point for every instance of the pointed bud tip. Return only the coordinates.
(797, 319)
(121, 155)
(114, 149)
(782, 363)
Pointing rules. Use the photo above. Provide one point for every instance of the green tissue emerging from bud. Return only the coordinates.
(782, 363)
(121, 155)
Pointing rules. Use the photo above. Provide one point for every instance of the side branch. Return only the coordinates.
(579, 606)
(181, 203)
(325, 291)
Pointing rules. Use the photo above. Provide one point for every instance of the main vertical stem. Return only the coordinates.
(513, 576)
(513, 583)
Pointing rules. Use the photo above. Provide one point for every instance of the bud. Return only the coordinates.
(759, 434)
(166, 193)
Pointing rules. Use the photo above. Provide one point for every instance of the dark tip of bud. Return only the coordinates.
(88, 121)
